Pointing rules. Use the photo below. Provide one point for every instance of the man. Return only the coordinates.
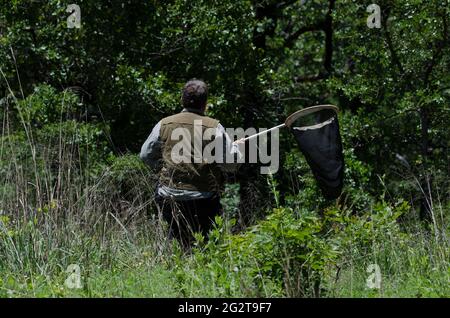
(189, 184)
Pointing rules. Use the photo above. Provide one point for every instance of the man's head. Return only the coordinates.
(195, 95)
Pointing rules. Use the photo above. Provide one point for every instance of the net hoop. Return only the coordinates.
(306, 111)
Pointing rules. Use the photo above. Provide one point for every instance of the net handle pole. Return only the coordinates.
(261, 133)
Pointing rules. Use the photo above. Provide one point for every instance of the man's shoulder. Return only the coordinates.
(189, 118)
(209, 121)
(169, 119)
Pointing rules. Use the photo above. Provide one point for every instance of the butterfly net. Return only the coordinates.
(316, 130)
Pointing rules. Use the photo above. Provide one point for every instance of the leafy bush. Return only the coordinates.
(129, 178)
(282, 255)
(48, 106)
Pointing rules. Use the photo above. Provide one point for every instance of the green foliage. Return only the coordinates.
(282, 255)
(78, 103)
(290, 255)
(130, 179)
(410, 263)
(47, 106)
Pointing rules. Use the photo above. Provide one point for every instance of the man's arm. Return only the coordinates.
(151, 149)
(230, 150)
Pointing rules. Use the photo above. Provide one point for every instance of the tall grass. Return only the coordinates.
(62, 203)
(413, 262)
(59, 205)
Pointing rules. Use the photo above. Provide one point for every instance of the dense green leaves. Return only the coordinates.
(262, 59)
(74, 101)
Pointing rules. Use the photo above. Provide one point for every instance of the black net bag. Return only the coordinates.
(316, 130)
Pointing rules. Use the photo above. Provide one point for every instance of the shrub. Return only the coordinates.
(284, 255)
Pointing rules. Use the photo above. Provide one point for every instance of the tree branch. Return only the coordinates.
(387, 36)
(326, 26)
(268, 10)
(310, 78)
(290, 40)
(439, 47)
(328, 29)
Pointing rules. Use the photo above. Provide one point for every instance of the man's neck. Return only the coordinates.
(193, 110)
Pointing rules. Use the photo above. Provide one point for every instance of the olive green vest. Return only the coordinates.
(179, 169)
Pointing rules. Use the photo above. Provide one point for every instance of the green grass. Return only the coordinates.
(104, 221)
(412, 264)
(142, 281)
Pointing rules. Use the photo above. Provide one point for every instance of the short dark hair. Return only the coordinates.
(195, 94)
